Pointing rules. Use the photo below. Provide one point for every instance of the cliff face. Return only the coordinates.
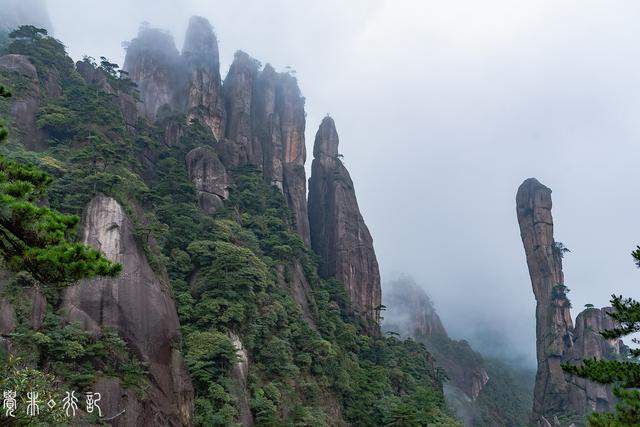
(153, 63)
(25, 107)
(138, 306)
(257, 117)
(209, 177)
(338, 232)
(553, 319)
(200, 55)
(557, 341)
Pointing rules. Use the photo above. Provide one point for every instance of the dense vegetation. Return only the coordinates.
(230, 273)
(38, 256)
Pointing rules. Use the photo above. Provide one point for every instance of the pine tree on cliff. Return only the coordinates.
(38, 239)
(623, 375)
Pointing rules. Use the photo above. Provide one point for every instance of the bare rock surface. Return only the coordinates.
(257, 117)
(557, 341)
(138, 306)
(209, 176)
(203, 88)
(239, 374)
(153, 63)
(25, 107)
(338, 232)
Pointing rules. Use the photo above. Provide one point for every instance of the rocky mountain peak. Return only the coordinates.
(201, 42)
(152, 61)
(326, 143)
(339, 234)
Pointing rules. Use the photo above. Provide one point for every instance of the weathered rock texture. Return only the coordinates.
(200, 55)
(557, 340)
(265, 128)
(257, 118)
(25, 106)
(209, 177)
(338, 232)
(239, 374)
(153, 62)
(138, 306)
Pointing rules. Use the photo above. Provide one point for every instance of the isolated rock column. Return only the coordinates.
(553, 319)
(339, 234)
(203, 92)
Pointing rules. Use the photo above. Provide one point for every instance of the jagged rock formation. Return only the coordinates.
(553, 318)
(257, 118)
(557, 340)
(209, 177)
(588, 343)
(200, 54)
(137, 304)
(153, 62)
(265, 128)
(338, 232)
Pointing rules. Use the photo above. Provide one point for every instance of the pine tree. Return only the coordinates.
(624, 375)
(37, 239)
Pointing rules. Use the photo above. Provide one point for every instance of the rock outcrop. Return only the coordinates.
(94, 76)
(410, 311)
(257, 117)
(137, 305)
(153, 63)
(209, 177)
(239, 373)
(556, 339)
(202, 61)
(338, 232)
(238, 96)
(587, 344)
(554, 326)
(25, 105)
(265, 129)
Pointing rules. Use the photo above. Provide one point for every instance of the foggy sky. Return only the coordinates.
(443, 109)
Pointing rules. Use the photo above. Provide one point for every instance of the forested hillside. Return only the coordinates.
(219, 315)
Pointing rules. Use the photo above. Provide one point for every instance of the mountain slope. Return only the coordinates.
(220, 316)
(482, 391)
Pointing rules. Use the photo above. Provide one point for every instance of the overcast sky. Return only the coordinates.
(443, 109)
